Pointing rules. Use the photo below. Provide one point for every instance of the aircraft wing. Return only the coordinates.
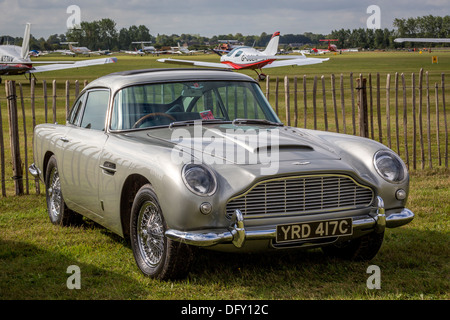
(294, 62)
(196, 63)
(437, 40)
(76, 64)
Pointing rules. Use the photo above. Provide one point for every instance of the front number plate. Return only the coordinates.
(314, 230)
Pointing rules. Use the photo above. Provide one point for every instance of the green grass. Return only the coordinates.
(34, 256)
(414, 259)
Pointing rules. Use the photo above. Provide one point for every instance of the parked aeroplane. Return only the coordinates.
(82, 50)
(144, 48)
(332, 47)
(250, 58)
(16, 60)
(136, 52)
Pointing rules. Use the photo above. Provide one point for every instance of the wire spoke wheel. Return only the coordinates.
(54, 194)
(155, 254)
(150, 234)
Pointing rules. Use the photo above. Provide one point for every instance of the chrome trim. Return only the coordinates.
(34, 171)
(397, 219)
(380, 225)
(304, 194)
(238, 234)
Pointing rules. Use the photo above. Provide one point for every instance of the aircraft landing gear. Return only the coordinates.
(31, 76)
(261, 76)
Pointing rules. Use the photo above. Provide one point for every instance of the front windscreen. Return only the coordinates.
(155, 105)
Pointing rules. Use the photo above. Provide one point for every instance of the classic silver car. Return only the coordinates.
(178, 158)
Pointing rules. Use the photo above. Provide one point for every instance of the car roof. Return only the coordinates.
(118, 80)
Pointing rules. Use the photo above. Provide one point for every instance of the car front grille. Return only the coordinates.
(301, 194)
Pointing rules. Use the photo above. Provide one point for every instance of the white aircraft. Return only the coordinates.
(16, 60)
(183, 49)
(135, 52)
(436, 40)
(145, 48)
(250, 58)
(81, 50)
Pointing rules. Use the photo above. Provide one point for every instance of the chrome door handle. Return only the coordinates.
(109, 167)
(64, 139)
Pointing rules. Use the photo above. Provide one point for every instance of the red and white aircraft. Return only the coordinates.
(15, 60)
(250, 58)
(332, 47)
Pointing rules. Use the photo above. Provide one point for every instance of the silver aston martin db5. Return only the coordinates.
(173, 159)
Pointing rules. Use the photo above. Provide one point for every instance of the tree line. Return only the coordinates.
(103, 34)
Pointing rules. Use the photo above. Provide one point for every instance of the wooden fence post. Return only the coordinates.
(380, 129)
(445, 119)
(314, 102)
(25, 138)
(413, 93)
(33, 114)
(295, 103)
(428, 121)
(436, 93)
(67, 98)
(277, 81)
(371, 107)
(325, 115)
(396, 114)
(2, 156)
(341, 83)
(54, 100)
(333, 95)
(44, 88)
(305, 103)
(14, 136)
(405, 121)
(362, 106)
(286, 100)
(422, 148)
(388, 109)
(353, 103)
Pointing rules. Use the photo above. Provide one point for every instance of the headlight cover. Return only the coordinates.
(199, 179)
(390, 166)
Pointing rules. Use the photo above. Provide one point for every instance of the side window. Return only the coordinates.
(95, 110)
(74, 115)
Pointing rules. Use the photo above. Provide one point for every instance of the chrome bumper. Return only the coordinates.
(34, 171)
(238, 234)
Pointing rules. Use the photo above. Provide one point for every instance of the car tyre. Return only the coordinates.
(364, 248)
(57, 209)
(156, 255)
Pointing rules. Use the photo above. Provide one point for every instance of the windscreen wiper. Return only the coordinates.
(257, 121)
(193, 122)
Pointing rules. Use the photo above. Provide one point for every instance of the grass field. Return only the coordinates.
(414, 259)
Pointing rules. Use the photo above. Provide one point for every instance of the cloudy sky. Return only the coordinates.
(213, 17)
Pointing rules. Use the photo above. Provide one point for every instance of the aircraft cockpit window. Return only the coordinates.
(238, 53)
(233, 51)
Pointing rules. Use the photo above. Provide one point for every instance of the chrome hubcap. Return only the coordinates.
(150, 234)
(54, 192)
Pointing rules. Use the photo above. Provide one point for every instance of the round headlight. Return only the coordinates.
(199, 179)
(390, 166)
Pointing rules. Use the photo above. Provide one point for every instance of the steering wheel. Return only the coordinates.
(153, 114)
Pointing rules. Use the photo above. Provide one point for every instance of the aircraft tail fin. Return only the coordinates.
(272, 47)
(26, 42)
